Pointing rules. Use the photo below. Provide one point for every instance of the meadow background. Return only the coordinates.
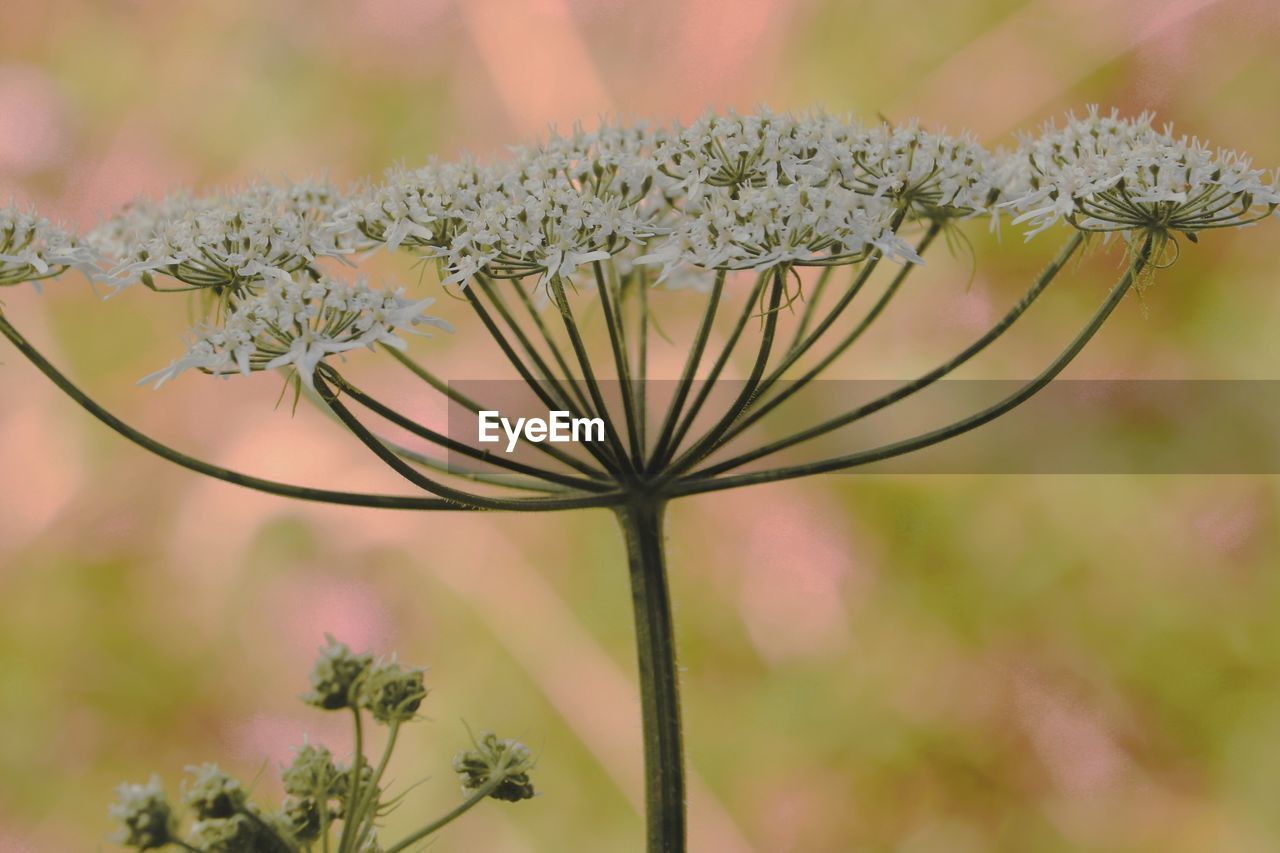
(892, 663)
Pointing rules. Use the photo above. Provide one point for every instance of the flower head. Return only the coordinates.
(312, 774)
(148, 821)
(32, 249)
(1109, 173)
(492, 758)
(229, 244)
(334, 676)
(392, 693)
(298, 323)
(213, 793)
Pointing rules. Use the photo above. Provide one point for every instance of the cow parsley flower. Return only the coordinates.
(147, 821)
(32, 249)
(763, 227)
(1108, 173)
(228, 243)
(933, 174)
(491, 756)
(298, 323)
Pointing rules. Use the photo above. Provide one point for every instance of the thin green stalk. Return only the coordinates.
(471, 405)
(797, 350)
(760, 410)
(201, 467)
(691, 414)
(465, 806)
(453, 444)
(752, 385)
(642, 525)
(699, 486)
(604, 458)
(569, 394)
(351, 816)
(1038, 287)
(395, 463)
(690, 367)
(642, 361)
(617, 342)
(552, 344)
(588, 375)
(811, 306)
(368, 807)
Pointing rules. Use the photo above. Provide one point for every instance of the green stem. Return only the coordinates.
(811, 306)
(201, 467)
(617, 342)
(465, 806)
(351, 816)
(395, 463)
(641, 522)
(690, 367)
(615, 443)
(472, 406)
(369, 806)
(1045, 278)
(708, 384)
(697, 486)
(749, 390)
(442, 440)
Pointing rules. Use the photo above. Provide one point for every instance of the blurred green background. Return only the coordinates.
(911, 664)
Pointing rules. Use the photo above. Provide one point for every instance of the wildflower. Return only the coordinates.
(229, 244)
(334, 675)
(392, 693)
(148, 821)
(313, 774)
(213, 793)
(303, 817)
(299, 323)
(235, 834)
(492, 757)
(1108, 173)
(32, 249)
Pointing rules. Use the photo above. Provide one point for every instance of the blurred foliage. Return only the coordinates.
(905, 664)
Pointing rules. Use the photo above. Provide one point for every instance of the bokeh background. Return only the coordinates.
(901, 663)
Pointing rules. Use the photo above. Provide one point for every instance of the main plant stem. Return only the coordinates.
(641, 521)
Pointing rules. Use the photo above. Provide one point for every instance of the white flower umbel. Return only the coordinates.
(546, 212)
(299, 323)
(763, 227)
(228, 243)
(1109, 173)
(31, 249)
(934, 174)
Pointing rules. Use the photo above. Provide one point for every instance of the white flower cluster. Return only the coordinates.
(297, 324)
(725, 192)
(1103, 172)
(32, 249)
(227, 243)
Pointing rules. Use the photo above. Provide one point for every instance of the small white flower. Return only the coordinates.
(1103, 172)
(298, 324)
(32, 249)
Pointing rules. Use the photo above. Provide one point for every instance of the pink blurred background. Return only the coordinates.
(914, 664)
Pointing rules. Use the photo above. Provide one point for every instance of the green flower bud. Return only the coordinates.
(334, 676)
(392, 693)
(213, 794)
(302, 816)
(312, 774)
(143, 810)
(493, 757)
(237, 834)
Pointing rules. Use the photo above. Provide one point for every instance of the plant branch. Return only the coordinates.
(201, 467)
(1140, 261)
